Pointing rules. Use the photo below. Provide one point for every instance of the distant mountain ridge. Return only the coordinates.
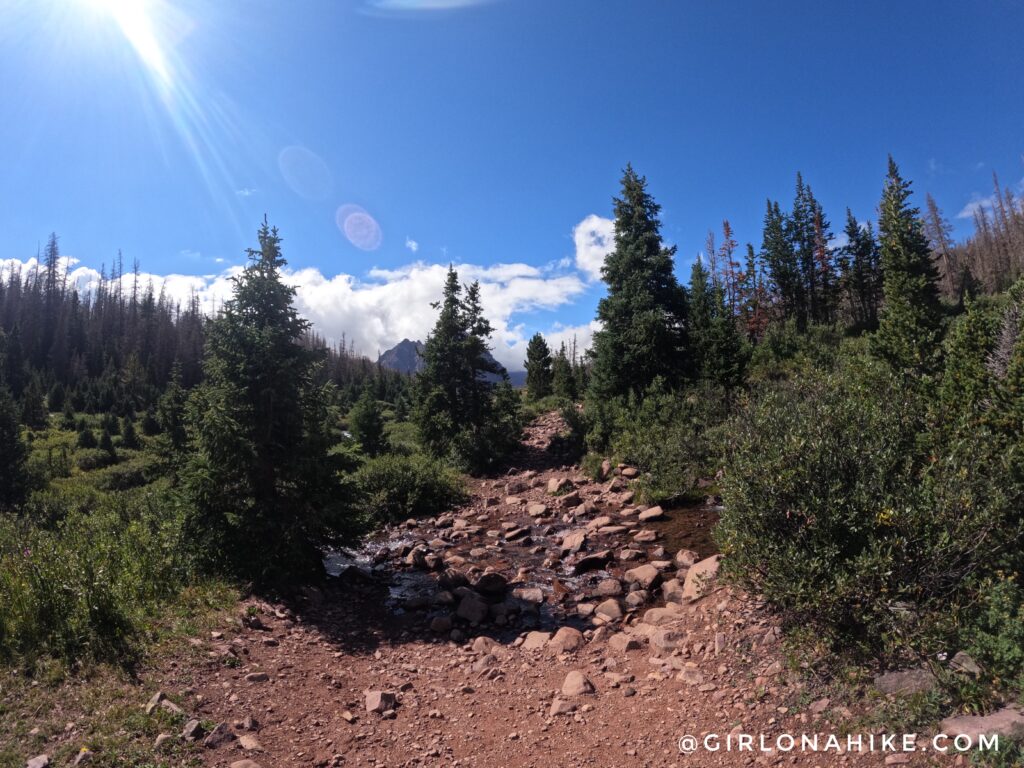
(406, 357)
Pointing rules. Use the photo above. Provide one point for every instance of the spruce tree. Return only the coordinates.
(538, 368)
(170, 413)
(861, 273)
(460, 413)
(261, 480)
(643, 316)
(563, 379)
(783, 271)
(718, 348)
(33, 406)
(910, 323)
(13, 454)
(366, 423)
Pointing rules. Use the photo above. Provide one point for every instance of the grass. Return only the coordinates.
(104, 703)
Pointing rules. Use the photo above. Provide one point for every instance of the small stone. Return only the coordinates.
(535, 641)
(154, 702)
(221, 734)
(193, 730)
(245, 764)
(162, 739)
(566, 640)
(249, 743)
(561, 707)
(609, 610)
(577, 684)
(819, 706)
(623, 643)
(380, 701)
(700, 577)
(441, 624)
(654, 513)
(257, 677)
(39, 761)
(906, 682)
(645, 575)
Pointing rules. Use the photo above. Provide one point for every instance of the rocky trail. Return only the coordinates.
(548, 621)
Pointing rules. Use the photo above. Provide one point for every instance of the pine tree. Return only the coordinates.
(783, 272)
(563, 380)
(643, 317)
(538, 368)
(718, 349)
(860, 273)
(366, 423)
(909, 328)
(260, 476)
(459, 412)
(13, 454)
(33, 406)
(170, 412)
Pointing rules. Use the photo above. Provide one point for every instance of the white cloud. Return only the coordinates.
(411, 244)
(246, 192)
(388, 305)
(594, 237)
(978, 202)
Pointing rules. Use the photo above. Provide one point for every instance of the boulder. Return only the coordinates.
(472, 608)
(608, 588)
(574, 541)
(567, 640)
(533, 595)
(654, 513)
(593, 562)
(484, 644)
(906, 682)
(492, 585)
(193, 730)
(630, 472)
(609, 610)
(577, 684)
(637, 597)
(672, 590)
(1007, 723)
(700, 578)
(535, 641)
(645, 575)
(667, 640)
(558, 485)
(659, 616)
(537, 510)
(561, 707)
(221, 734)
(441, 624)
(623, 643)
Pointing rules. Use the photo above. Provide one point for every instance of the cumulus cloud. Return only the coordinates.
(387, 305)
(411, 244)
(594, 237)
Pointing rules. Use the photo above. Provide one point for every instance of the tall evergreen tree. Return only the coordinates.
(13, 454)
(538, 368)
(366, 423)
(261, 478)
(460, 413)
(563, 379)
(718, 348)
(909, 328)
(783, 271)
(643, 316)
(861, 273)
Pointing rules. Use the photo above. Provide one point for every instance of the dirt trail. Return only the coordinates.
(469, 626)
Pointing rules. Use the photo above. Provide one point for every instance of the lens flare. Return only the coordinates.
(361, 229)
(135, 18)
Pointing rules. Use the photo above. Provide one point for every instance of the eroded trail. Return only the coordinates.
(549, 621)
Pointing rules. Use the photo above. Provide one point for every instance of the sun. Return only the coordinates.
(136, 21)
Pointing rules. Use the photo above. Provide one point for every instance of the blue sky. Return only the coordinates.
(481, 133)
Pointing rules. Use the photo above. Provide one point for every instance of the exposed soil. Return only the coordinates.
(289, 683)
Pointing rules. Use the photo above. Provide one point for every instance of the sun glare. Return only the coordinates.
(135, 18)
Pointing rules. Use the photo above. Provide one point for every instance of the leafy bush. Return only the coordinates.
(94, 458)
(995, 636)
(394, 488)
(81, 589)
(848, 518)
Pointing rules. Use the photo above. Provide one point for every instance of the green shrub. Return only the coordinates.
(842, 513)
(94, 458)
(394, 488)
(673, 437)
(995, 635)
(82, 589)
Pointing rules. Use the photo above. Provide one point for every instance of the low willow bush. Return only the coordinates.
(81, 588)
(395, 487)
(849, 517)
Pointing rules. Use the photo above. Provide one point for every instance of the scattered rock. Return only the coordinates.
(193, 730)
(965, 665)
(608, 588)
(906, 682)
(250, 743)
(561, 707)
(623, 643)
(700, 577)
(577, 684)
(162, 739)
(609, 610)
(441, 624)
(630, 472)
(380, 701)
(654, 513)
(472, 608)
(492, 584)
(567, 640)
(257, 677)
(245, 764)
(645, 575)
(574, 541)
(221, 734)
(558, 485)
(535, 641)
(593, 562)
(1007, 722)
(685, 558)
(39, 761)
